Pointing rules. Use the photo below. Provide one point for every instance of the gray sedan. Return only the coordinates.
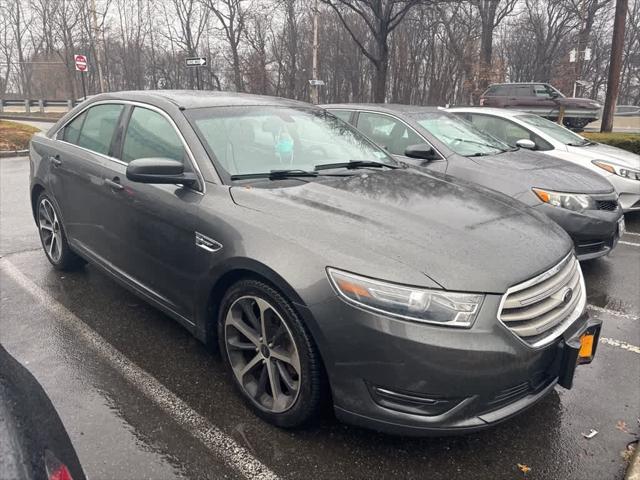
(582, 202)
(322, 268)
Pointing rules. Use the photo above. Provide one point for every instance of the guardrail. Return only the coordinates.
(31, 105)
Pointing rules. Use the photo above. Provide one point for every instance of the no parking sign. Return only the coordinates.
(81, 62)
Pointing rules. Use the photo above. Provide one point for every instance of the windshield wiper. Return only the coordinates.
(276, 174)
(581, 144)
(352, 164)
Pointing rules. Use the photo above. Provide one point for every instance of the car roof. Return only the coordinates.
(382, 107)
(519, 83)
(499, 112)
(190, 99)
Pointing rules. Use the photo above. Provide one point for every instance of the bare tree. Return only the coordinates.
(381, 18)
(492, 12)
(232, 16)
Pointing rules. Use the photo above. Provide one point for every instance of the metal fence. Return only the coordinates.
(33, 105)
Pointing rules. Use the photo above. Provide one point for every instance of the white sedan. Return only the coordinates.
(525, 130)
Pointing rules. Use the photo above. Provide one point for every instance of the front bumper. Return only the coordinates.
(594, 233)
(416, 379)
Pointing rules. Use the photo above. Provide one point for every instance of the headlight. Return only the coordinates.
(571, 201)
(412, 303)
(619, 170)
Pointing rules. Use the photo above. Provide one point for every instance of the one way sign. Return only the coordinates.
(196, 62)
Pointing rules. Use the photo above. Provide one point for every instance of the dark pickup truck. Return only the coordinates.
(544, 100)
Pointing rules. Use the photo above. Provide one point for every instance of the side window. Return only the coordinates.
(387, 132)
(344, 115)
(541, 91)
(72, 131)
(500, 128)
(523, 91)
(149, 134)
(98, 127)
(507, 131)
(496, 90)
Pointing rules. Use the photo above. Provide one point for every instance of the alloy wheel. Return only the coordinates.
(50, 230)
(263, 354)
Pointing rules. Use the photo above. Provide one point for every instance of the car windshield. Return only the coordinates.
(259, 139)
(459, 135)
(555, 131)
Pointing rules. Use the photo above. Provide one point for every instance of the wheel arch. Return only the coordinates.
(236, 269)
(36, 190)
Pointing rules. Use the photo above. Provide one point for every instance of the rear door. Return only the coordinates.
(84, 145)
(152, 226)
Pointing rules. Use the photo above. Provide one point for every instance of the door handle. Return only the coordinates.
(55, 160)
(115, 184)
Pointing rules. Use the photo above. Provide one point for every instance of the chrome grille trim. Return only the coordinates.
(536, 311)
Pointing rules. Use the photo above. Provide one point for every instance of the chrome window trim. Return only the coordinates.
(444, 157)
(556, 331)
(192, 160)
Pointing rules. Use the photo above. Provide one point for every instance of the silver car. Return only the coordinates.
(620, 167)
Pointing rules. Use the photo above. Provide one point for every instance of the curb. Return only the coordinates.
(13, 153)
(633, 471)
(30, 118)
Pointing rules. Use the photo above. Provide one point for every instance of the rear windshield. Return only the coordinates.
(496, 90)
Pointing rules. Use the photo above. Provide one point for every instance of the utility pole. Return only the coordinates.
(314, 68)
(615, 65)
(96, 39)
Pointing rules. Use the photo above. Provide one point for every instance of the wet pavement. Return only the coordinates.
(141, 398)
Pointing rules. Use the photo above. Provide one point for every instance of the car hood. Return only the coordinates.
(600, 151)
(382, 224)
(517, 172)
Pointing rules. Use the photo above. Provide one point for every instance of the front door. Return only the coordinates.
(152, 226)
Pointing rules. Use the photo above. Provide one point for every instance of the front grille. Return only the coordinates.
(540, 309)
(609, 205)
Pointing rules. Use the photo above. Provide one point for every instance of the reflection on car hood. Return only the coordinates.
(601, 151)
(518, 171)
(463, 238)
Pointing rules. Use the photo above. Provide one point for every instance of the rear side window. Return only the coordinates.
(98, 127)
(496, 90)
(150, 134)
(342, 114)
(72, 130)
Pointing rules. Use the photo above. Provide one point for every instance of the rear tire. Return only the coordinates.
(53, 237)
(266, 348)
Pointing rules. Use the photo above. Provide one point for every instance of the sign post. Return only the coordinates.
(196, 62)
(82, 66)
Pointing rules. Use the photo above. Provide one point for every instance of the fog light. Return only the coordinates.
(410, 402)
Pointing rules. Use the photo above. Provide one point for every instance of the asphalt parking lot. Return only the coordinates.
(141, 398)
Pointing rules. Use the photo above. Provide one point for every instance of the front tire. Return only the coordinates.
(271, 357)
(53, 237)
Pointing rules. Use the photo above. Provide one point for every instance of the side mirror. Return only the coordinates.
(159, 170)
(554, 95)
(526, 143)
(421, 151)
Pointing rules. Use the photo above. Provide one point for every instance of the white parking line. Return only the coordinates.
(632, 233)
(629, 243)
(614, 313)
(620, 344)
(219, 443)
